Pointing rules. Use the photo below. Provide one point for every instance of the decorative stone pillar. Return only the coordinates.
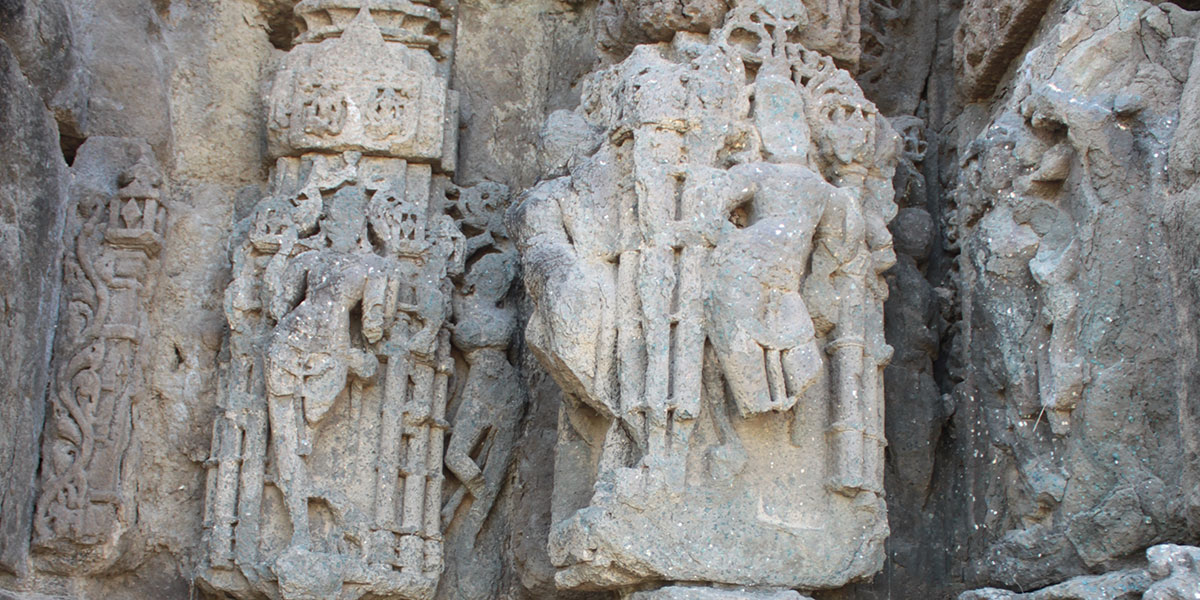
(706, 288)
(86, 503)
(326, 476)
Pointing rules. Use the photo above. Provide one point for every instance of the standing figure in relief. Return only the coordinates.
(307, 363)
(487, 419)
(758, 321)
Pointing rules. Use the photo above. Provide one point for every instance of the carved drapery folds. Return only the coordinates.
(706, 288)
(85, 505)
(364, 286)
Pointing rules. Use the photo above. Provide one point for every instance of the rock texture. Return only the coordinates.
(34, 196)
(1063, 271)
(584, 299)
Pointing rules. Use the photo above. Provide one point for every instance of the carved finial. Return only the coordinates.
(144, 180)
(399, 21)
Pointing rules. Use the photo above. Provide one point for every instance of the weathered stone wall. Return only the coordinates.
(1035, 164)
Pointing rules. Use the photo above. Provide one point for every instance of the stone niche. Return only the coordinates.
(705, 285)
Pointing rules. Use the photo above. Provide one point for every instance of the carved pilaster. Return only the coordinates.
(86, 504)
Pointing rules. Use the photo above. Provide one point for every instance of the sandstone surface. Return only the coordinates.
(584, 299)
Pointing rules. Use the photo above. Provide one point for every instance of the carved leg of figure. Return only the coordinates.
(387, 469)
(630, 351)
(469, 432)
(729, 458)
(292, 477)
(746, 373)
(504, 436)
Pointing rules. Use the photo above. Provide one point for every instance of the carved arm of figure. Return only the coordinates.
(374, 297)
(432, 309)
(709, 195)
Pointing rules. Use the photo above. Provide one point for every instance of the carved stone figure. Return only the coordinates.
(706, 289)
(759, 325)
(86, 502)
(326, 478)
(487, 419)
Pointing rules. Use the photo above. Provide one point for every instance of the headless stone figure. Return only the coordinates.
(308, 360)
(758, 322)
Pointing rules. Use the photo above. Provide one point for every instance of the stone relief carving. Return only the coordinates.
(486, 420)
(1057, 206)
(379, 90)
(86, 504)
(831, 28)
(990, 34)
(706, 289)
(357, 302)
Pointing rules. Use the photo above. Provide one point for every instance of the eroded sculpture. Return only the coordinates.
(1057, 219)
(706, 289)
(357, 301)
